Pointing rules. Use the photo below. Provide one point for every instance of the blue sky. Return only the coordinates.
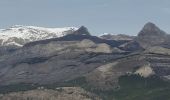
(100, 16)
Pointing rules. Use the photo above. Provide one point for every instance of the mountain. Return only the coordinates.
(151, 35)
(108, 69)
(44, 60)
(117, 37)
(76, 54)
(19, 35)
(82, 31)
(79, 35)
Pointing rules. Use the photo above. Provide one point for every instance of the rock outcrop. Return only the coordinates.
(151, 35)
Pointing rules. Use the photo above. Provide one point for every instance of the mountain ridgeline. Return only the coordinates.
(79, 35)
(72, 63)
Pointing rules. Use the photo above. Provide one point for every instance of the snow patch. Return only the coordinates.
(32, 33)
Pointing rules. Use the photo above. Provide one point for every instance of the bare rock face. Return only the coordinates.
(46, 63)
(145, 71)
(86, 43)
(64, 93)
(158, 50)
(106, 77)
(103, 48)
(131, 46)
(82, 30)
(151, 35)
(90, 46)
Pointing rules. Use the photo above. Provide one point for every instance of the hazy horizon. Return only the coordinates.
(99, 16)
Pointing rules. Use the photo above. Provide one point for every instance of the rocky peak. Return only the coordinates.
(83, 31)
(150, 26)
(151, 29)
(151, 35)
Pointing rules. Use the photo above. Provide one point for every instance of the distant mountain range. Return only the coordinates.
(107, 67)
(117, 37)
(19, 35)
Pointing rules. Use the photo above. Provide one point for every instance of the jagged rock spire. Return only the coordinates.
(151, 35)
(151, 29)
(83, 31)
(150, 26)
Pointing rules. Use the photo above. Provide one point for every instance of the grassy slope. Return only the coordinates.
(131, 88)
(137, 88)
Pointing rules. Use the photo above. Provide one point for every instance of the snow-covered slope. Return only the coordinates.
(18, 35)
(109, 36)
